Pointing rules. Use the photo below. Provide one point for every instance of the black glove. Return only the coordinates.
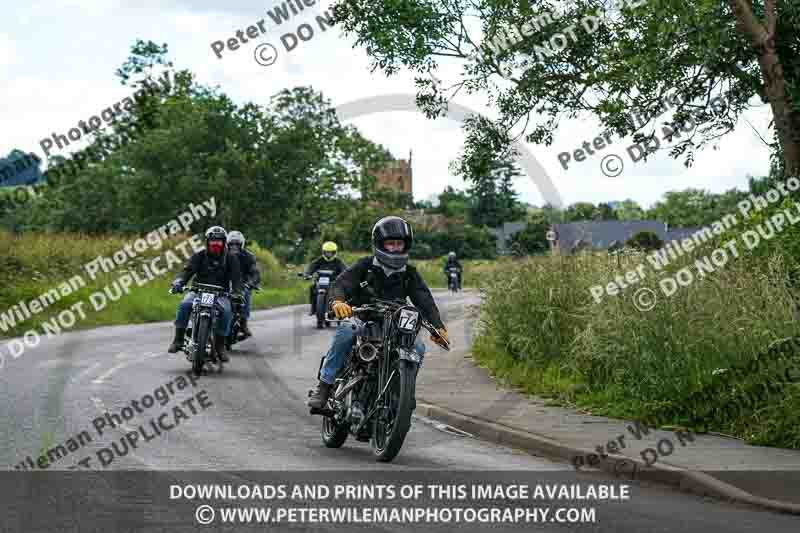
(177, 286)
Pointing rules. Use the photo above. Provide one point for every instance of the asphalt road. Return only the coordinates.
(252, 417)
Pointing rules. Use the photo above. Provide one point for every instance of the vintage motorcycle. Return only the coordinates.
(323, 288)
(237, 304)
(198, 341)
(373, 395)
(452, 280)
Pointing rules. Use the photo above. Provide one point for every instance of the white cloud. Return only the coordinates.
(8, 51)
(53, 82)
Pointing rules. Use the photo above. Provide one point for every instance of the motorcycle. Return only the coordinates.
(237, 303)
(323, 288)
(375, 389)
(198, 341)
(452, 280)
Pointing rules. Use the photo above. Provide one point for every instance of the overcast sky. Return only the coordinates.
(58, 59)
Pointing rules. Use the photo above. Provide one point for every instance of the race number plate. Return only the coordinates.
(206, 298)
(324, 282)
(408, 319)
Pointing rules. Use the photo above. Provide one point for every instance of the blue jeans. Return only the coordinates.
(342, 345)
(223, 327)
(246, 306)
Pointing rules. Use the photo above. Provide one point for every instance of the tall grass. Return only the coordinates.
(543, 331)
(35, 263)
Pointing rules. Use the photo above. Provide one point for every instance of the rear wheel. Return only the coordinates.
(203, 331)
(391, 426)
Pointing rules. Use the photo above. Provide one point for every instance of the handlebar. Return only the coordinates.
(200, 286)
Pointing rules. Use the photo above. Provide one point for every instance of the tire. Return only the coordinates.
(401, 395)
(203, 332)
(322, 299)
(334, 435)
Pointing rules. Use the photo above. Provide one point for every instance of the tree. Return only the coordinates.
(687, 208)
(716, 55)
(492, 190)
(279, 173)
(580, 211)
(454, 203)
(646, 241)
(629, 210)
(605, 212)
(533, 238)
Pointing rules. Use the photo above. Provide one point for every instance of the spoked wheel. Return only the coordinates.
(333, 433)
(321, 301)
(203, 332)
(394, 420)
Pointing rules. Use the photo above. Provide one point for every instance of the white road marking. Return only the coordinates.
(100, 379)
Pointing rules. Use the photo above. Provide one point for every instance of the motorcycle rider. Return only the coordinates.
(452, 262)
(385, 275)
(251, 277)
(214, 266)
(327, 261)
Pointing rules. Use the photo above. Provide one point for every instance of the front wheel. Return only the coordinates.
(392, 425)
(334, 434)
(203, 332)
(321, 307)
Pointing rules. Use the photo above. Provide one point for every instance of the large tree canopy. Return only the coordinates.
(631, 59)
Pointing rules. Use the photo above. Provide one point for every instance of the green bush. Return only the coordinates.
(543, 331)
(646, 241)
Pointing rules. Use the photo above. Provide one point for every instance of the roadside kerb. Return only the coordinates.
(685, 480)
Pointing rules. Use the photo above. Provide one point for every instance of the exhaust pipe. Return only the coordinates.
(367, 352)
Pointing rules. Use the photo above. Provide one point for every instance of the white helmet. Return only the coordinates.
(236, 237)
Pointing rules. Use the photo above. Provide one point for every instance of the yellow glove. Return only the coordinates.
(342, 310)
(443, 335)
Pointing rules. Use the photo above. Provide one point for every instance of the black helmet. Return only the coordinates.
(216, 233)
(392, 228)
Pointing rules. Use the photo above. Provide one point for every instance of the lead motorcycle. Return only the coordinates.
(375, 389)
(198, 341)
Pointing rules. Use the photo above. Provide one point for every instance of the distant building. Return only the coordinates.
(397, 176)
(602, 235)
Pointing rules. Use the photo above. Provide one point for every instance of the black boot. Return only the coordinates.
(319, 398)
(219, 345)
(245, 329)
(177, 342)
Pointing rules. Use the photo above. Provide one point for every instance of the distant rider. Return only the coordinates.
(452, 262)
(327, 261)
(213, 266)
(251, 277)
(389, 276)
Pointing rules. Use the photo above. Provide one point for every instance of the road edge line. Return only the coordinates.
(685, 480)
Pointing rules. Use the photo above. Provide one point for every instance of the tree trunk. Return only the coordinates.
(787, 122)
